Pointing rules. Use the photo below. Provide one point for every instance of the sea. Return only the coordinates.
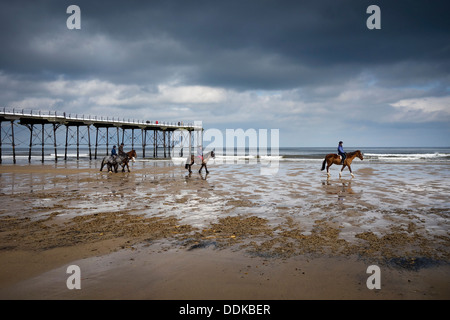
(283, 154)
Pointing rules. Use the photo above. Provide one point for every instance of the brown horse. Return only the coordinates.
(336, 159)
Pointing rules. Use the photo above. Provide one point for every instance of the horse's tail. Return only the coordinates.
(323, 164)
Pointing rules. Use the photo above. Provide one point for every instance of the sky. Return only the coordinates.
(312, 69)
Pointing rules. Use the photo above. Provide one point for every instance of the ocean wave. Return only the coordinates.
(407, 156)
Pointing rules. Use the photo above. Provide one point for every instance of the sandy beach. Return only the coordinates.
(160, 233)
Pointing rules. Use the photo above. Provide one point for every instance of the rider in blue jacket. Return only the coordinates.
(113, 152)
(341, 151)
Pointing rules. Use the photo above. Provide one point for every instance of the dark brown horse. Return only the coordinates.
(333, 158)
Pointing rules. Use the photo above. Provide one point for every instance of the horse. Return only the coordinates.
(122, 159)
(197, 159)
(333, 158)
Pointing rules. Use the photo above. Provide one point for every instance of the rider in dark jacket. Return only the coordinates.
(121, 152)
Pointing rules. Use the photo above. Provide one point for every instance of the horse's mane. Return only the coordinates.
(353, 153)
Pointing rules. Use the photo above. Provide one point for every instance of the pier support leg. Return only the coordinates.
(43, 142)
(89, 141)
(54, 141)
(155, 144)
(190, 144)
(96, 143)
(118, 141)
(107, 141)
(164, 143)
(169, 134)
(67, 137)
(13, 142)
(30, 127)
(144, 141)
(78, 142)
(181, 143)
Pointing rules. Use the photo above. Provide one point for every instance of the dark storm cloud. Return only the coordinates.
(234, 44)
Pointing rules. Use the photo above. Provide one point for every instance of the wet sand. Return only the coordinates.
(159, 233)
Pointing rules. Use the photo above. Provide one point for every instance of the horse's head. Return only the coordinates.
(359, 155)
(132, 154)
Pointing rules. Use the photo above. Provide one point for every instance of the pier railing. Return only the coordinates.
(59, 115)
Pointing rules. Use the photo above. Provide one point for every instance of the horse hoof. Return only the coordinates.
(352, 175)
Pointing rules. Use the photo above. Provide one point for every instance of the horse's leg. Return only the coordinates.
(340, 172)
(328, 168)
(201, 168)
(101, 167)
(349, 168)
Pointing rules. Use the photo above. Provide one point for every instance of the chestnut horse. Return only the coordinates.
(336, 159)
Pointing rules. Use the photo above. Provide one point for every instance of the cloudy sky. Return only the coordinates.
(309, 68)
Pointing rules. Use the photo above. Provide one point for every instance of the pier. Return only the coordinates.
(54, 129)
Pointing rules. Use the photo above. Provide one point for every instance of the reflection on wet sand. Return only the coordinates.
(341, 188)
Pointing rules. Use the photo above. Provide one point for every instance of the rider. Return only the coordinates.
(341, 151)
(114, 152)
(121, 152)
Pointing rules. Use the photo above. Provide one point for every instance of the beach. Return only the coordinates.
(238, 232)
